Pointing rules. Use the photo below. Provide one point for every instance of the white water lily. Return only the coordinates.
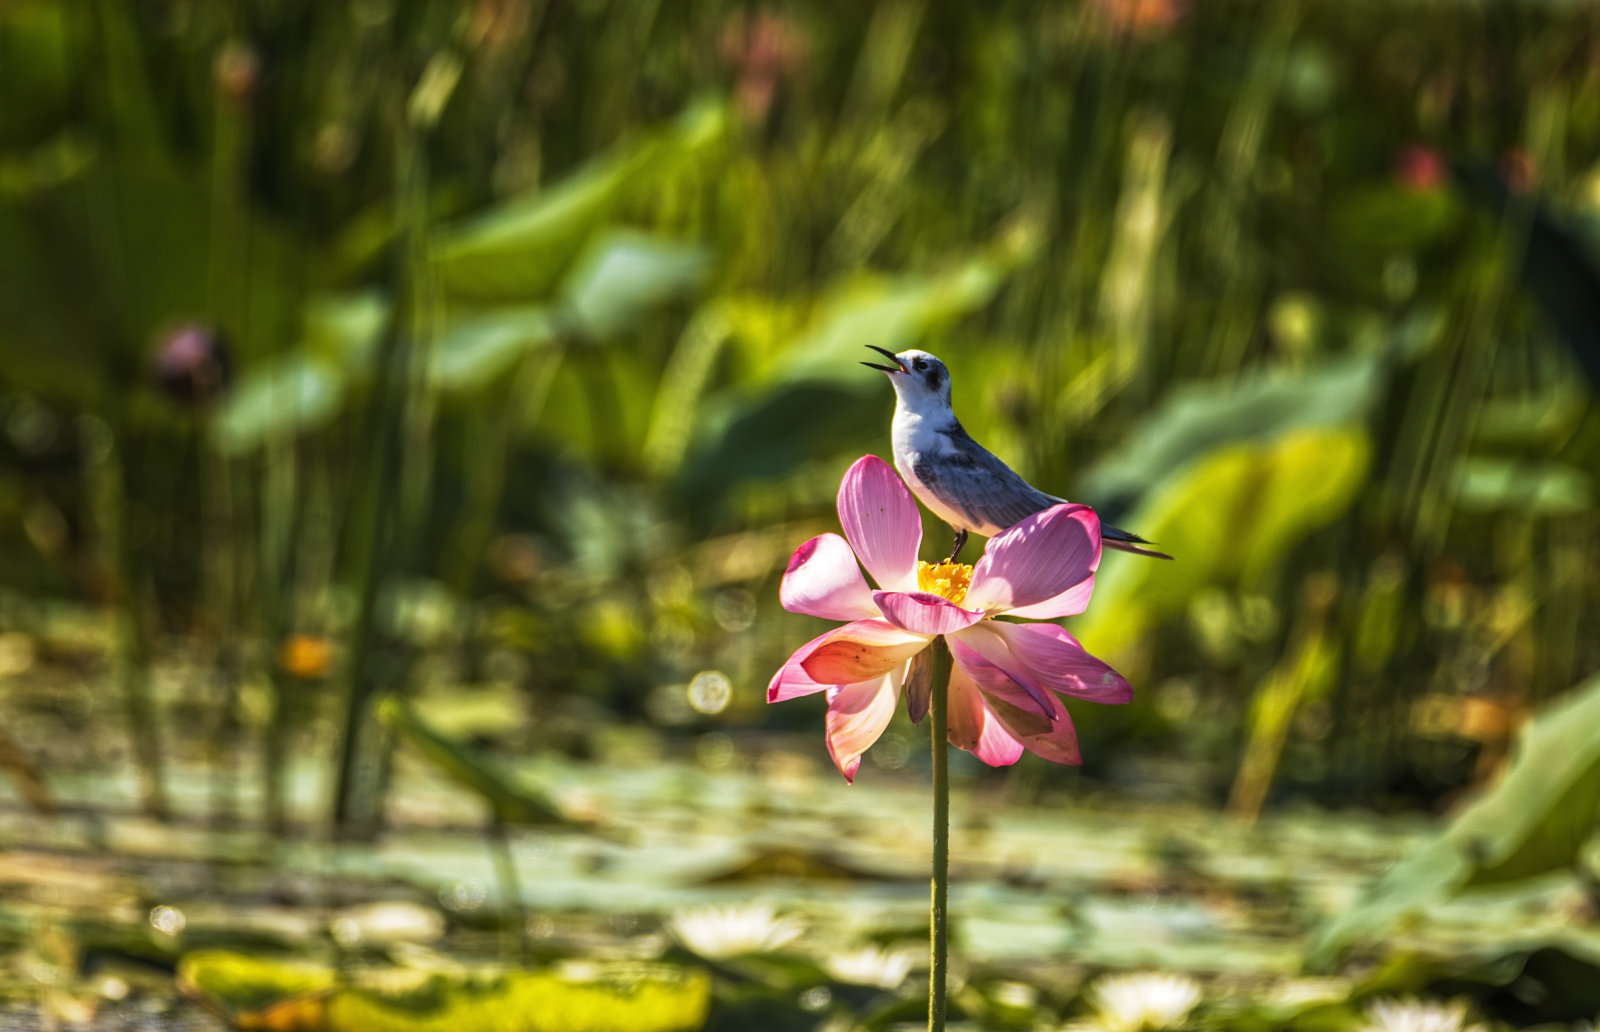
(871, 966)
(717, 933)
(1143, 1002)
(1413, 1015)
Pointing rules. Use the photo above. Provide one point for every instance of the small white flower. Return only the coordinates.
(383, 924)
(1413, 1015)
(1144, 1002)
(870, 966)
(1020, 995)
(721, 932)
(168, 920)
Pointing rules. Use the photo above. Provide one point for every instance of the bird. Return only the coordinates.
(958, 479)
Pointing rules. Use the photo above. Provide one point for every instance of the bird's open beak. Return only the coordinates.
(886, 353)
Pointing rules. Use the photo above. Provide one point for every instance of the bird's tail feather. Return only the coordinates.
(1125, 546)
(1123, 541)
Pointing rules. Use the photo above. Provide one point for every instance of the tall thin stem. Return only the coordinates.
(384, 525)
(106, 486)
(514, 920)
(939, 912)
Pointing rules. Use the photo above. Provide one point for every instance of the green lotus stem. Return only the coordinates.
(939, 911)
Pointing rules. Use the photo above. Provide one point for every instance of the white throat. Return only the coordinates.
(923, 405)
(916, 426)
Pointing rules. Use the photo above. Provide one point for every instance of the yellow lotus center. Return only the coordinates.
(947, 580)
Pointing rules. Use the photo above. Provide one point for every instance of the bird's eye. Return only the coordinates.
(919, 365)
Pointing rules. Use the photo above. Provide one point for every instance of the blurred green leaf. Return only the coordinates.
(480, 713)
(1304, 1004)
(304, 389)
(281, 397)
(1546, 418)
(35, 70)
(518, 250)
(1532, 822)
(48, 165)
(1545, 489)
(1386, 219)
(895, 312)
(480, 349)
(284, 996)
(1198, 417)
(766, 438)
(682, 384)
(1229, 516)
(623, 273)
(344, 328)
(237, 985)
(616, 998)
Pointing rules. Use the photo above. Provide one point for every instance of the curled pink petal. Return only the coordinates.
(857, 715)
(1042, 558)
(860, 651)
(982, 639)
(1052, 737)
(1056, 659)
(922, 612)
(1058, 745)
(1031, 717)
(998, 747)
(791, 681)
(975, 728)
(881, 521)
(964, 713)
(824, 580)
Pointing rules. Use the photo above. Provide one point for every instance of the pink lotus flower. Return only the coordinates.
(1005, 676)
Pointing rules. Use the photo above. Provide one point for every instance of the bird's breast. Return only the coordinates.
(906, 463)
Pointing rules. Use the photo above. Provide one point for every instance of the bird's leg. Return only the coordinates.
(961, 539)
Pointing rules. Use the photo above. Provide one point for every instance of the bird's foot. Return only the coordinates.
(961, 539)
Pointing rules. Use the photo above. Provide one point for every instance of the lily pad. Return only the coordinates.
(279, 996)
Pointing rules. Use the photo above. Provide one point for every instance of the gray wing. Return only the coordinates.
(989, 493)
(973, 482)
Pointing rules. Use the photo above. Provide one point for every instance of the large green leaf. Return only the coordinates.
(1199, 417)
(281, 397)
(518, 250)
(1532, 823)
(344, 328)
(621, 998)
(50, 164)
(894, 312)
(35, 70)
(480, 349)
(255, 993)
(303, 389)
(1382, 219)
(1228, 517)
(236, 984)
(1542, 488)
(622, 274)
